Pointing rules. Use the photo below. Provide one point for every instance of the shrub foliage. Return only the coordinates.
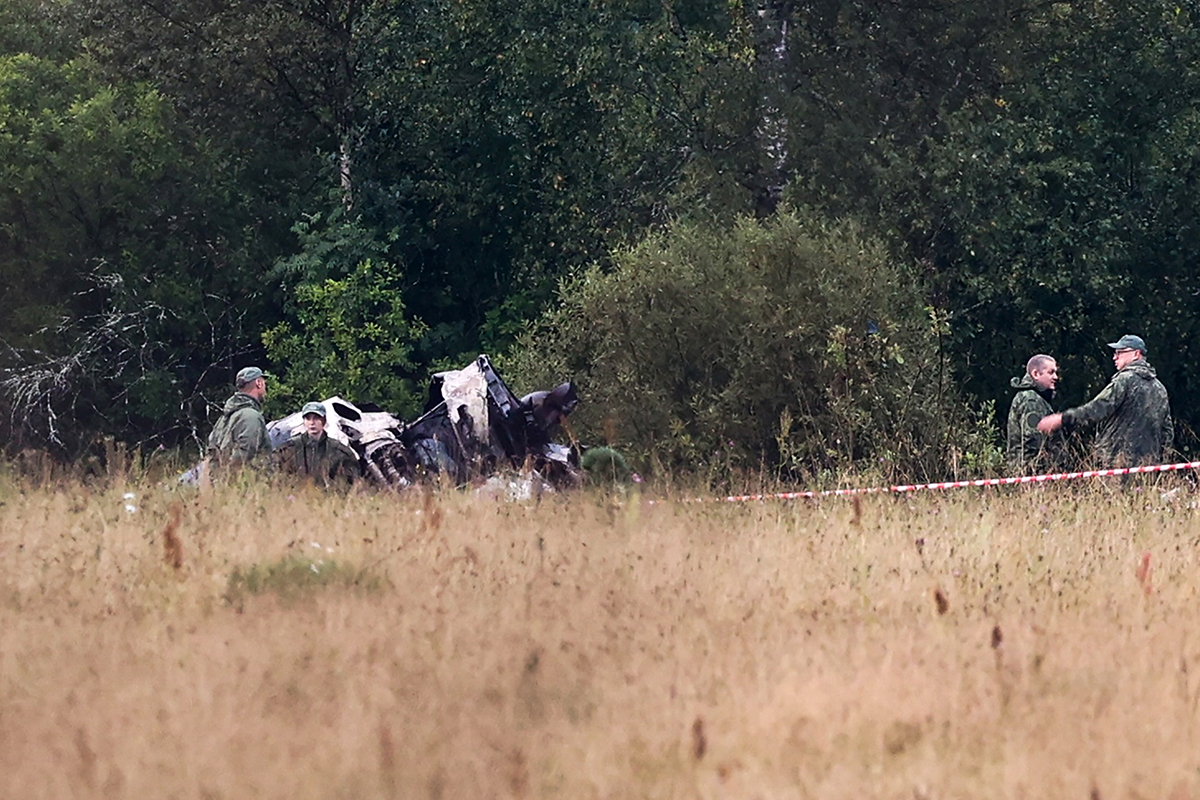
(791, 342)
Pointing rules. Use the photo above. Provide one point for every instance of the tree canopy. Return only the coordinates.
(357, 192)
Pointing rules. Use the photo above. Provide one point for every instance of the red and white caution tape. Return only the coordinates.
(1056, 476)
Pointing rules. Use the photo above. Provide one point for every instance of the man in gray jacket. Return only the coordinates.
(241, 433)
(1133, 412)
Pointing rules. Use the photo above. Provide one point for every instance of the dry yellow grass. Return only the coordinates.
(997, 644)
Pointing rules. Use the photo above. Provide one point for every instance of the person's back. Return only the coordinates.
(548, 409)
(240, 434)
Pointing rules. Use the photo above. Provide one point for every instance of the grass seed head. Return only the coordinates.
(940, 600)
(172, 545)
(699, 740)
(1144, 574)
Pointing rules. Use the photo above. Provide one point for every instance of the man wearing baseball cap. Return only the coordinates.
(313, 454)
(240, 434)
(1133, 411)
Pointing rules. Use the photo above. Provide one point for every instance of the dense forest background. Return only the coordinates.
(800, 236)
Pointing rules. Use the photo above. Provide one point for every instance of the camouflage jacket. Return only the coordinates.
(241, 432)
(1030, 450)
(1134, 418)
(326, 461)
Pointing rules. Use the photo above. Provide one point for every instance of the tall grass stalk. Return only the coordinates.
(981, 643)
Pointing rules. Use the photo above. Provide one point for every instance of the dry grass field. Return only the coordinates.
(289, 644)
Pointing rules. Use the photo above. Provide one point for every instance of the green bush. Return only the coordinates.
(793, 343)
(352, 338)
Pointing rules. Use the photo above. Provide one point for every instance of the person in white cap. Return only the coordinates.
(240, 435)
(1133, 411)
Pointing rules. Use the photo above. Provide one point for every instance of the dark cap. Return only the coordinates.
(313, 408)
(247, 374)
(1129, 342)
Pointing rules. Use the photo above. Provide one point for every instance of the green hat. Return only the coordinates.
(247, 374)
(1129, 342)
(313, 408)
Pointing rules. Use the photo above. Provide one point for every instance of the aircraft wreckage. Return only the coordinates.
(473, 428)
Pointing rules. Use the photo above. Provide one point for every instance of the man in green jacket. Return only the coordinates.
(240, 435)
(1029, 450)
(315, 455)
(1133, 411)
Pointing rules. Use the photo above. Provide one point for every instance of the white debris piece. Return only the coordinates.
(467, 388)
(515, 488)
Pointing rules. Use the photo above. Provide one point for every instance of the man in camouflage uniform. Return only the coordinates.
(240, 435)
(1029, 450)
(313, 454)
(1133, 411)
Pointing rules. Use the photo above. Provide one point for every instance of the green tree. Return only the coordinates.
(127, 273)
(27, 27)
(1062, 209)
(75, 156)
(351, 337)
(789, 342)
(278, 81)
(512, 142)
(861, 87)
